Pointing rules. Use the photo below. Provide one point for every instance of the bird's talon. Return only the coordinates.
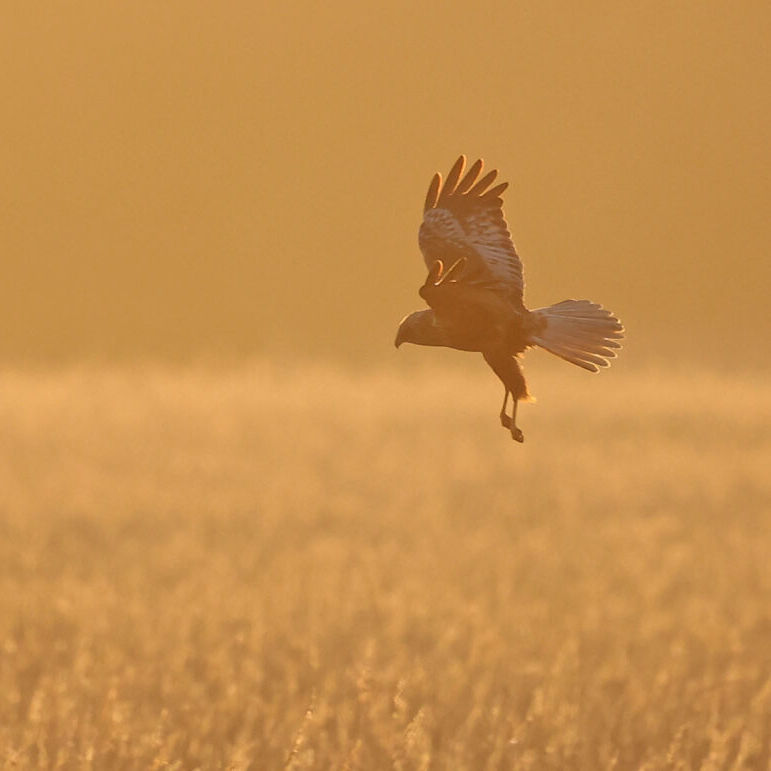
(517, 435)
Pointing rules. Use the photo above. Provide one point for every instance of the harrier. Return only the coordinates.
(475, 286)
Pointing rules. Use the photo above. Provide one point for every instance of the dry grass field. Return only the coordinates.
(269, 568)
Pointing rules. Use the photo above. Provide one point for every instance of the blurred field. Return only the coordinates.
(276, 568)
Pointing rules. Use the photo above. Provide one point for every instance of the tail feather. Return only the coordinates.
(579, 331)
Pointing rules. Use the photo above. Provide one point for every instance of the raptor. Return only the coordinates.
(475, 291)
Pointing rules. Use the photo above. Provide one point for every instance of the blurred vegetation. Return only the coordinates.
(299, 568)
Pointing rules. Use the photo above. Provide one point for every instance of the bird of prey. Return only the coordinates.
(475, 286)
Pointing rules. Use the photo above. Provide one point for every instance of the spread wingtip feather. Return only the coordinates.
(471, 177)
(484, 183)
(452, 178)
(433, 192)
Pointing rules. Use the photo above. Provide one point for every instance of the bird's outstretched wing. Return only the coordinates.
(464, 218)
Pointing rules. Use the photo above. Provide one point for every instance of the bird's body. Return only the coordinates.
(475, 287)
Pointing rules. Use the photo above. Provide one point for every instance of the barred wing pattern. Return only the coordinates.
(464, 218)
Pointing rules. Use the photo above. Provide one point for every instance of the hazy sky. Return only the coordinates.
(184, 177)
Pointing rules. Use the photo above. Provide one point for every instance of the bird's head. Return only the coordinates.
(420, 328)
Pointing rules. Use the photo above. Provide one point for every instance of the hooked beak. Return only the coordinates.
(400, 337)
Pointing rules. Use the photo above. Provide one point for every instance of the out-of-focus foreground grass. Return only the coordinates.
(265, 568)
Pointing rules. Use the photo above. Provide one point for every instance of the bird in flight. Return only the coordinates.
(475, 286)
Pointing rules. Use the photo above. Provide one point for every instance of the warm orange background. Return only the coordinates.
(192, 177)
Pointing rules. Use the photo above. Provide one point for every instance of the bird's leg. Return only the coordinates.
(516, 433)
(507, 368)
(505, 419)
(510, 422)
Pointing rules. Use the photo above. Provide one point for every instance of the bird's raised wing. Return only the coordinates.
(464, 218)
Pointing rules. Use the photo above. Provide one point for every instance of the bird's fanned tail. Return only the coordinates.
(579, 331)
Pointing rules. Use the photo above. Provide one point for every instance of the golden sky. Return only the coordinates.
(184, 176)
